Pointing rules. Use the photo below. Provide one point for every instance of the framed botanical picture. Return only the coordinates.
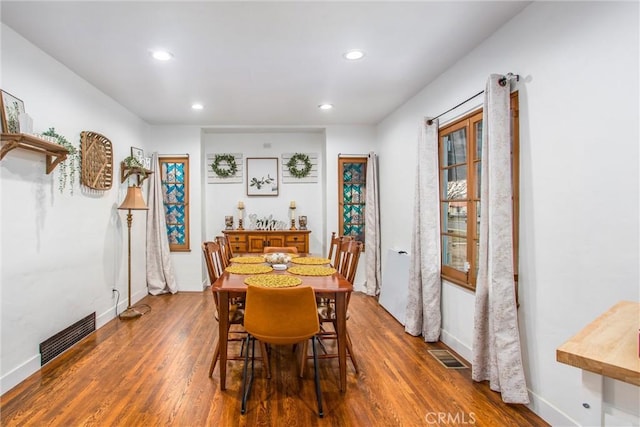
(262, 176)
(138, 154)
(12, 109)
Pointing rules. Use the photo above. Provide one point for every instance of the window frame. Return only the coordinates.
(468, 279)
(186, 246)
(341, 195)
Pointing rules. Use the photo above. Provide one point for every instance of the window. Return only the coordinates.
(175, 193)
(460, 156)
(352, 176)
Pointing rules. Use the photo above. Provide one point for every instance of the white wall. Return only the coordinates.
(61, 255)
(579, 179)
(180, 140)
(222, 199)
(345, 140)
(211, 202)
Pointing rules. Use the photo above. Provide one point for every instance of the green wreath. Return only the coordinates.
(292, 165)
(229, 160)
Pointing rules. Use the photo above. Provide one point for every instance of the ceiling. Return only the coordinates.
(258, 63)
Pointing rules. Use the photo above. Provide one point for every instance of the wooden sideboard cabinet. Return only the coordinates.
(254, 241)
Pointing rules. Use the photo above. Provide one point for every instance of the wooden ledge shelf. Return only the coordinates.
(54, 153)
(127, 171)
(608, 346)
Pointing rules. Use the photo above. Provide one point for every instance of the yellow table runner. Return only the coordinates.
(247, 259)
(311, 270)
(309, 260)
(249, 269)
(273, 281)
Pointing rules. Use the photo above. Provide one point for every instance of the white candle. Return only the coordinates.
(240, 204)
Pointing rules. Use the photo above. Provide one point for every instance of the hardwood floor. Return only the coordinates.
(152, 371)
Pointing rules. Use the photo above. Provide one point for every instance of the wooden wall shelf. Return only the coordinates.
(54, 153)
(127, 171)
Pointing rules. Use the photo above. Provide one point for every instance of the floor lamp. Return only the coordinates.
(133, 201)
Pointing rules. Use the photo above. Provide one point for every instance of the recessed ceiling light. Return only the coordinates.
(354, 54)
(197, 106)
(161, 55)
(325, 106)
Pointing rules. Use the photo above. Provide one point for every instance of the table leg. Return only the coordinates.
(223, 327)
(341, 323)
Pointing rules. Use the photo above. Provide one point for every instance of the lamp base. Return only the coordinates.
(130, 313)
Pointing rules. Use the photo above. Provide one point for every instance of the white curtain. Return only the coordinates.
(423, 306)
(160, 274)
(372, 228)
(496, 340)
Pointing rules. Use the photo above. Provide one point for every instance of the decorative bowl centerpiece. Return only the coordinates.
(277, 258)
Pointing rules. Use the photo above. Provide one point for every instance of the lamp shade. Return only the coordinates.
(133, 199)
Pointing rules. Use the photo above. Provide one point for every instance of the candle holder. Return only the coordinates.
(293, 218)
(228, 222)
(240, 214)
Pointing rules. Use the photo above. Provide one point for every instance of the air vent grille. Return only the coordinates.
(63, 340)
(447, 359)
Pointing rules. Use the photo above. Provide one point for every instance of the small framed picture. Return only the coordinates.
(147, 163)
(12, 109)
(138, 154)
(262, 176)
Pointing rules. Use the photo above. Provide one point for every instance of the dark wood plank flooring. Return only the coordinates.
(152, 371)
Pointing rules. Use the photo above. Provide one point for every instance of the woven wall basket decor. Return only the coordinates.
(97, 161)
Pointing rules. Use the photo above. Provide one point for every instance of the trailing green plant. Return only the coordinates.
(292, 165)
(133, 162)
(230, 162)
(69, 167)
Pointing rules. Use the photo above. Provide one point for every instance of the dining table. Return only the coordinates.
(335, 286)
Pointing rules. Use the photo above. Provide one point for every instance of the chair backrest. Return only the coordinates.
(225, 247)
(281, 315)
(334, 246)
(213, 258)
(347, 259)
(280, 249)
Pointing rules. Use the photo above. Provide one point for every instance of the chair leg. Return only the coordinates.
(317, 377)
(265, 359)
(246, 388)
(216, 356)
(351, 356)
(303, 358)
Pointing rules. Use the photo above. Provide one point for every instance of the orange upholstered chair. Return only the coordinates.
(280, 316)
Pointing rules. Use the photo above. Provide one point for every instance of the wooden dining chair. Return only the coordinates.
(280, 316)
(347, 260)
(280, 249)
(215, 267)
(225, 247)
(334, 246)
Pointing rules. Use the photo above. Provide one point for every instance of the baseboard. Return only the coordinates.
(537, 404)
(545, 410)
(19, 374)
(456, 345)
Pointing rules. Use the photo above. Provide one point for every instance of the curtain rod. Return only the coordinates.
(503, 81)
